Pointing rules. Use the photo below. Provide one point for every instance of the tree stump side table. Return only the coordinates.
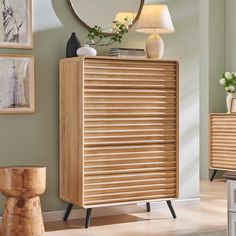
(22, 186)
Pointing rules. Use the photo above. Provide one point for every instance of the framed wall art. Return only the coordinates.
(17, 84)
(16, 24)
(233, 105)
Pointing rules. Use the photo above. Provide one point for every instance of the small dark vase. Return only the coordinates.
(72, 45)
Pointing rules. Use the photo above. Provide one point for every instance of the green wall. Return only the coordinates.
(230, 34)
(33, 139)
(217, 32)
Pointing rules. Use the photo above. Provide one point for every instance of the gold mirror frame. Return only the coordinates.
(88, 27)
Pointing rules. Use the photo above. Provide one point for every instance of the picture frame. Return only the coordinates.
(233, 106)
(17, 84)
(16, 24)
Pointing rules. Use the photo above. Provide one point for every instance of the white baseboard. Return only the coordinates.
(117, 210)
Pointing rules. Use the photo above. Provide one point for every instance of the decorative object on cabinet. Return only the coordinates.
(233, 106)
(229, 100)
(86, 50)
(222, 135)
(16, 24)
(72, 46)
(108, 10)
(118, 132)
(17, 85)
(97, 37)
(231, 202)
(127, 52)
(228, 80)
(155, 20)
(22, 213)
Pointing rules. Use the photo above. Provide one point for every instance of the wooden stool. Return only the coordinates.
(22, 214)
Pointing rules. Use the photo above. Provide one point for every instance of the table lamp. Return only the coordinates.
(155, 20)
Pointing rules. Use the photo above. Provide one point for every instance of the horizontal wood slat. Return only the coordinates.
(127, 149)
(129, 189)
(141, 160)
(142, 169)
(141, 70)
(131, 121)
(118, 166)
(129, 194)
(126, 84)
(130, 199)
(123, 133)
(222, 141)
(114, 189)
(126, 183)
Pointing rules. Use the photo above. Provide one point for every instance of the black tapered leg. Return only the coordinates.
(171, 209)
(148, 206)
(213, 175)
(68, 210)
(88, 217)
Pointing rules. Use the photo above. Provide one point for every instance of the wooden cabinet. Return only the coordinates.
(118, 131)
(222, 138)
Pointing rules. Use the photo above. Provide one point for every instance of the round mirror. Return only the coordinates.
(103, 12)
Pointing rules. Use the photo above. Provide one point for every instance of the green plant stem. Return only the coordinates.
(110, 42)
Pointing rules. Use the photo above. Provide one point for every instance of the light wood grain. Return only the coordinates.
(22, 215)
(222, 137)
(123, 116)
(71, 132)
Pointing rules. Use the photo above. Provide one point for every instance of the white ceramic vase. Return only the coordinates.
(86, 50)
(229, 98)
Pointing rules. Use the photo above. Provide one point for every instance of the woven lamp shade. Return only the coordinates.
(155, 19)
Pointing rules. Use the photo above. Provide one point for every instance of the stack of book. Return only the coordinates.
(127, 52)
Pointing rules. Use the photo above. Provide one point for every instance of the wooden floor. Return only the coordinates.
(208, 218)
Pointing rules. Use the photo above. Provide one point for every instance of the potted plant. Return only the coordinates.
(228, 80)
(98, 36)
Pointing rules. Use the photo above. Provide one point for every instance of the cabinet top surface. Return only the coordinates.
(116, 58)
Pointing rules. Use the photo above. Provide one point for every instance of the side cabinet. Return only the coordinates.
(222, 138)
(118, 131)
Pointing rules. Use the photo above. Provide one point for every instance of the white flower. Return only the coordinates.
(234, 74)
(227, 89)
(222, 81)
(228, 75)
(232, 88)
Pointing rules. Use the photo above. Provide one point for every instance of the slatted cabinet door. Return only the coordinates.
(130, 131)
(222, 141)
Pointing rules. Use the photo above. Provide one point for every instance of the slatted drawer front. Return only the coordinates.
(223, 139)
(129, 131)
